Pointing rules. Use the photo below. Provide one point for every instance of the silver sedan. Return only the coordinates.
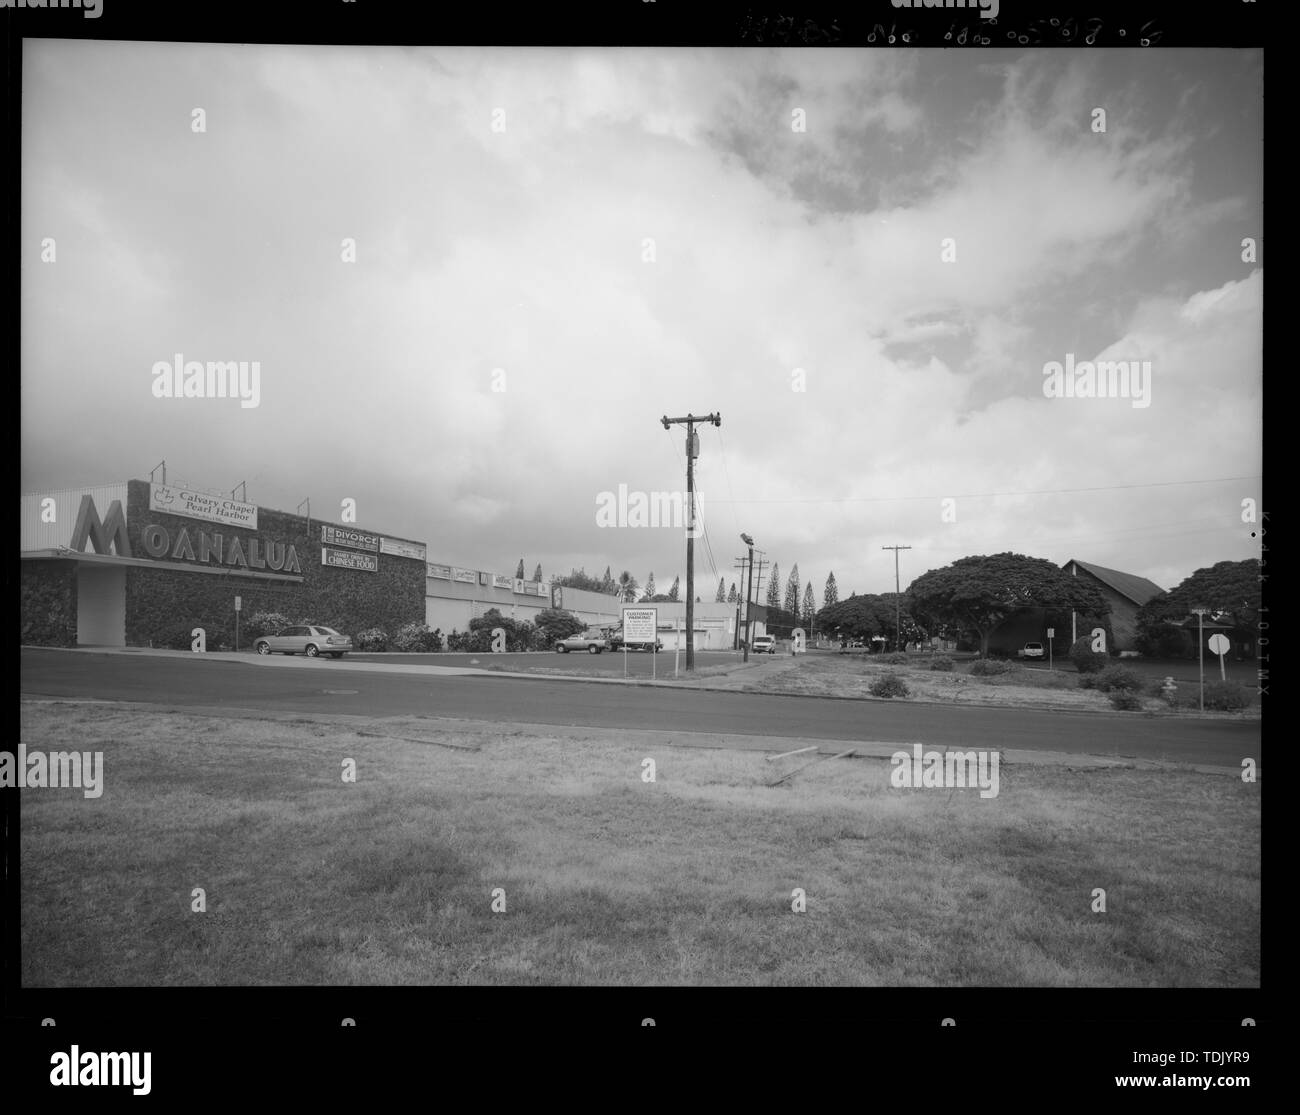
(309, 640)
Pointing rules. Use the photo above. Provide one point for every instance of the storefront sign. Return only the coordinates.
(498, 581)
(557, 596)
(398, 548)
(262, 553)
(483, 578)
(519, 586)
(202, 505)
(346, 536)
(465, 576)
(442, 572)
(349, 559)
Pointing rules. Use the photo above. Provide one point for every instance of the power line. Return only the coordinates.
(995, 495)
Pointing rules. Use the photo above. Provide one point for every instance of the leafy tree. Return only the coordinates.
(733, 597)
(831, 595)
(580, 579)
(650, 586)
(520, 635)
(792, 592)
(519, 573)
(626, 587)
(1230, 590)
(555, 624)
(537, 573)
(721, 597)
(675, 593)
(774, 587)
(858, 617)
(809, 606)
(978, 593)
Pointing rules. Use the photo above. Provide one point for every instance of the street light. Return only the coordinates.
(748, 541)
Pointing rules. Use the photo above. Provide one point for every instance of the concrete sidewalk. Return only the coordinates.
(752, 671)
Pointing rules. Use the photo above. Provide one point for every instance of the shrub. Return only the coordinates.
(1085, 659)
(898, 658)
(264, 623)
(1113, 678)
(416, 638)
(553, 624)
(375, 639)
(1226, 696)
(476, 642)
(942, 662)
(1124, 699)
(889, 685)
(990, 667)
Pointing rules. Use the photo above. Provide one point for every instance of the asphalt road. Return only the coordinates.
(180, 682)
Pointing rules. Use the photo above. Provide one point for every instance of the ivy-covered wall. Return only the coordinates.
(162, 606)
(48, 611)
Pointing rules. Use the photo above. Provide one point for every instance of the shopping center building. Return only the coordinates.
(144, 564)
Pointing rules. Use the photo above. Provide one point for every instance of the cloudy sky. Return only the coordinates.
(554, 248)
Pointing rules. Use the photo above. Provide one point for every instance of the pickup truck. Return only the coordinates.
(617, 642)
(1031, 650)
(764, 644)
(588, 641)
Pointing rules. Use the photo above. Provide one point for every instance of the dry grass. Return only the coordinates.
(849, 676)
(609, 879)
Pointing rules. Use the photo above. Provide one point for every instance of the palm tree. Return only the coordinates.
(627, 587)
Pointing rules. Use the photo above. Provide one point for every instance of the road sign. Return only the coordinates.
(640, 625)
(239, 603)
(1219, 645)
(1051, 632)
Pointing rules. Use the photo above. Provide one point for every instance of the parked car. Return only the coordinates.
(311, 641)
(617, 642)
(764, 644)
(1032, 650)
(591, 643)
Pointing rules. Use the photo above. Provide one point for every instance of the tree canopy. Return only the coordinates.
(1229, 590)
(978, 593)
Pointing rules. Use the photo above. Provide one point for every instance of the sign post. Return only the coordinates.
(1200, 648)
(1051, 634)
(1219, 645)
(239, 603)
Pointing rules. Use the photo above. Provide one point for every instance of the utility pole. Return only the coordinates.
(751, 604)
(748, 541)
(738, 564)
(692, 451)
(897, 596)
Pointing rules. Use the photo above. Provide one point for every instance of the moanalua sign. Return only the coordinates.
(262, 553)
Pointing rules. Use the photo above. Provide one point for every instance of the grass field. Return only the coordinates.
(608, 879)
(833, 675)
